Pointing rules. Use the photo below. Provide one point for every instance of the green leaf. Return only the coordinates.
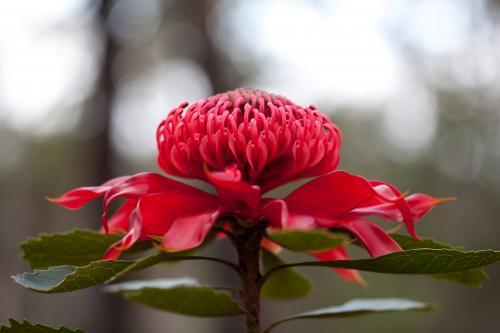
(415, 261)
(65, 278)
(315, 240)
(474, 277)
(410, 243)
(26, 327)
(183, 296)
(68, 278)
(74, 248)
(140, 264)
(357, 308)
(285, 284)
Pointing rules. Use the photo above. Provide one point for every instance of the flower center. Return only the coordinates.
(268, 137)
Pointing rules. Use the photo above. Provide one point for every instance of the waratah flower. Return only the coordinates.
(246, 142)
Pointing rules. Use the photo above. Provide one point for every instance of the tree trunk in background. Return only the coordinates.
(109, 309)
(197, 13)
(99, 112)
(112, 309)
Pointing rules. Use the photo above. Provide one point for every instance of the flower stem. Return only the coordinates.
(247, 244)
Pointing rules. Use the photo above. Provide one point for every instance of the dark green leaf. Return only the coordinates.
(410, 243)
(67, 278)
(285, 284)
(357, 308)
(74, 248)
(416, 261)
(474, 277)
(26, 327)
(184, 296)
(140, 264)
(315, 240)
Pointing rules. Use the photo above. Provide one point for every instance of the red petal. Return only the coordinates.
(232, 188)
(276, 212)
(130, 187)
(155, 214)
(297, 221)
(160, 210)
(188, 232)
(330, 195)
(78, 197)
(339, 253)
(420, 204)
(270, 246)
(133, 234)
(119, 222)
(221, 235)
(390, 193)
(374, 238)
(149, 183)
(141, 184)
(112, 253)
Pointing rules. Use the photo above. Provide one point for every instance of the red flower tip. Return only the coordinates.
(73, 200)
(269, 138)
(111, 254)
(53, 200)
(438, 201)
(339, 253)
(271, 246)
(361, 281)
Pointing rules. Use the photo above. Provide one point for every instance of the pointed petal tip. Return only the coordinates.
(445, 199)
(271, 246)
(61, 202)
(412, 232)
(360, 281)
(352, 276)
(56, 201)
(417, 237)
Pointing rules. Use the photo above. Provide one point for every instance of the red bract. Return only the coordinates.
(244, 143)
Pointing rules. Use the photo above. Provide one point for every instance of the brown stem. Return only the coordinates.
(247, 243)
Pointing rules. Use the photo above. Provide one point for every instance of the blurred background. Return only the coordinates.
(414, 86)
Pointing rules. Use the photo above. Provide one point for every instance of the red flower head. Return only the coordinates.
(245, 142)
(269, 139)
